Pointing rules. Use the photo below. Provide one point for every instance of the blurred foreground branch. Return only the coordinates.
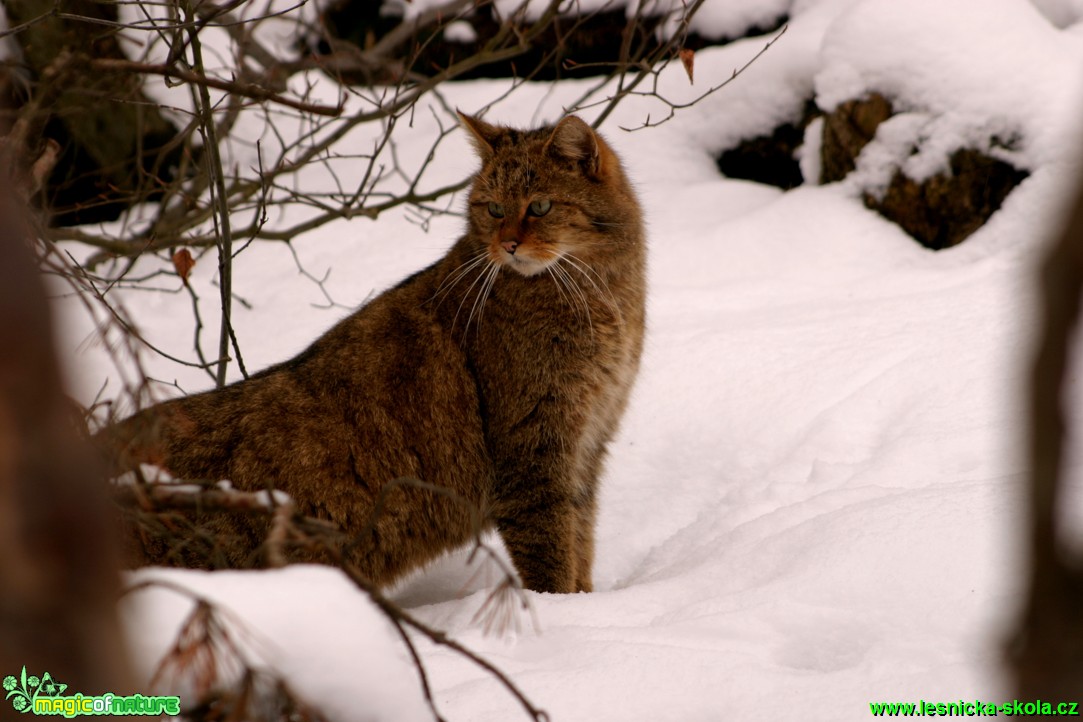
(1047, 651)
(58, 560)
(153, 506)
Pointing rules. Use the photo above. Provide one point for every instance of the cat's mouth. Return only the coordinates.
(526, 261)
(525, 264)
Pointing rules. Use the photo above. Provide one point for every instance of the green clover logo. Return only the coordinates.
(22, 691)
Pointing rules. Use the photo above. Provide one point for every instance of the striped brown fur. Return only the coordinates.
(500, 373)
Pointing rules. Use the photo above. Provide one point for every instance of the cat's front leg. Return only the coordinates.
(585, 504)
(586, 512)
(539, 525)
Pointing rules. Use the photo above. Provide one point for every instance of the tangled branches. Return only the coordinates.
(152, 136)
(205, 654)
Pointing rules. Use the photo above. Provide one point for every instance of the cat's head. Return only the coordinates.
(545, 194)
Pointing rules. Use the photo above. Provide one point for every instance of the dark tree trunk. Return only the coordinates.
(114, 141)
(1047, 652)
(58, 574)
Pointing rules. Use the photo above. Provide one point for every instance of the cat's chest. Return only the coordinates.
(554, 354)
(543, 326)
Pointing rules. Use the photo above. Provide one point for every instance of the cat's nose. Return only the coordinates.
(509, 246)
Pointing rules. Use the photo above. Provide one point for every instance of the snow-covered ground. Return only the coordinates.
(816, 498)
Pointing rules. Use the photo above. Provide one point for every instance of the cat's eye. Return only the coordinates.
(496, 210)
(540, 207)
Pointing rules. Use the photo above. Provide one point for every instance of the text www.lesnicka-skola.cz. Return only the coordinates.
(976, 708)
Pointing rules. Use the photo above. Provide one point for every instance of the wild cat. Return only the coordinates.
(499, 373)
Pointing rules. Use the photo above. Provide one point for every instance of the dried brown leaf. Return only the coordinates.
(688, 60)
(183, 263)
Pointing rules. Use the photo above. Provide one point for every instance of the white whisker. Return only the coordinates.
(457, 275)
(603, 290)
(560, 288)
(576, 294)
(560, 280)
(478, 309)
(466, 294)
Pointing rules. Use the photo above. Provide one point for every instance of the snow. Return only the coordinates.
(1015, 90)
(815, 501)
(342, 655)
(460, 31)
(1062, 13)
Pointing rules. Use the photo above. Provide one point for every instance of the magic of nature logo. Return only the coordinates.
(45, 696)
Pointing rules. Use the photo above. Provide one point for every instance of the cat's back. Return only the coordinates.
(384, 393)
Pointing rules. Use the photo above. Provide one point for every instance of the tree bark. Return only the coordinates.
(110, 133)
(58, 572)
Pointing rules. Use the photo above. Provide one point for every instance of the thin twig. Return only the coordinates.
(248, 90)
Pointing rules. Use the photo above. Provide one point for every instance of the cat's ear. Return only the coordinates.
(481, 133)
(575, 140)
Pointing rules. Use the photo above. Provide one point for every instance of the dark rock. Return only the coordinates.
(847, 129)
(938, 212)
(942, 211)
(573, 46)
(770, 158)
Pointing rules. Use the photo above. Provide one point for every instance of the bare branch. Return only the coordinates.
(248, 90)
